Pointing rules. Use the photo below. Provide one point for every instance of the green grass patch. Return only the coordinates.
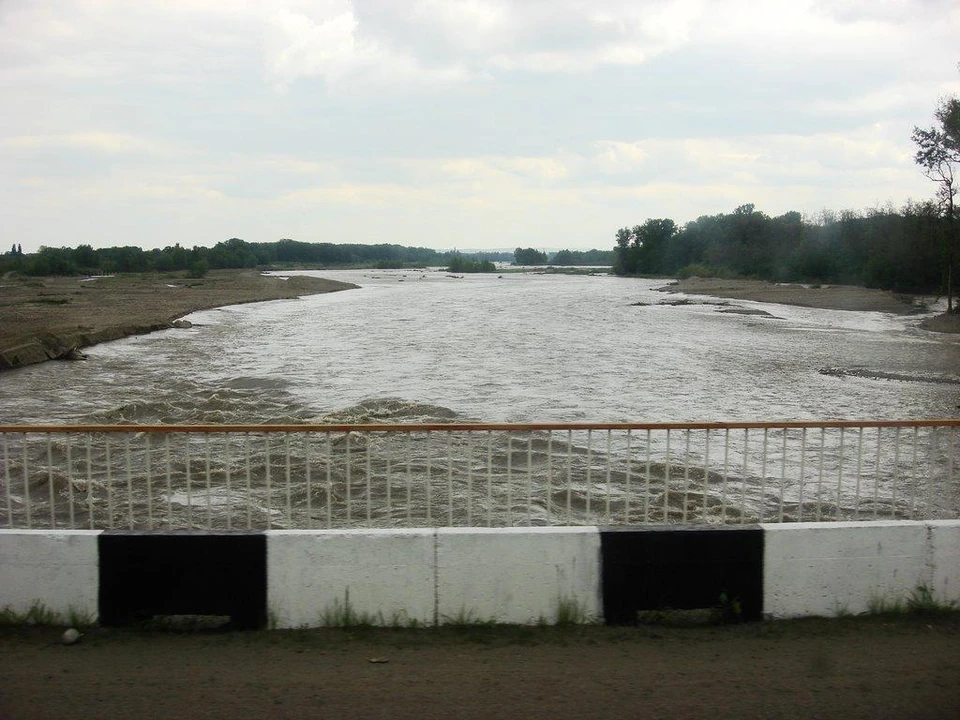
(36, 614)
(343, 615)
(921, 602)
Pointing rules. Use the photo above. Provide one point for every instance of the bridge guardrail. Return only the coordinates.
(482, 474)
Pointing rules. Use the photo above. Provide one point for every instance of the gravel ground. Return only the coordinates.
(900, 667)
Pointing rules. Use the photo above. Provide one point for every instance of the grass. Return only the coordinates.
(343, 615)
(571, 612)
(921, 601)
(39, 614)
(466, 619)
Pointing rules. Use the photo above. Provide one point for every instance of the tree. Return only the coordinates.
(624, 263)
(529, 256)
(938, 154)
(650, 244)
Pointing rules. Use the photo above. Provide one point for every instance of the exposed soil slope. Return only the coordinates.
(47, 318)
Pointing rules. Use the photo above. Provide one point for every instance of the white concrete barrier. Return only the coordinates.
(945, 552)
(509, 575)
(849, 567)
(325, 577)
(518, 575)
(58, 569)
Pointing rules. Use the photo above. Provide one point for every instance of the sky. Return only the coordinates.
(470, 124)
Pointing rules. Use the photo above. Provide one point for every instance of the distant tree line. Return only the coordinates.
(233, 253)
(905, 251)
(532, 256)
(584, 257)
(237, 253)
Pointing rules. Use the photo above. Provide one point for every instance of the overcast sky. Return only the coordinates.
(448, 123)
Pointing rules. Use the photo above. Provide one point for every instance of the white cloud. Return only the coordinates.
(105, 142)
(327, 43)
(440, 121)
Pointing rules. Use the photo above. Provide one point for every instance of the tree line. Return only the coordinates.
(233, 253)
(237, 253)
(905, 251)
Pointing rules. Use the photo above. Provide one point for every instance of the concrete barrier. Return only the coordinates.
(945, 558)
(325, 577)
(854, 567)
(56, 568)
(310, 578)
(428, 577)
(518, 575)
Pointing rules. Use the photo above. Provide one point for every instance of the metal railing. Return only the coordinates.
(379, 475)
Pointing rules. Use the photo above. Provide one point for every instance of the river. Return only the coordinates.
(412, 345)
(425, 346)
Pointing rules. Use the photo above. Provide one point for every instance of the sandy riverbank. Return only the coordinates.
(827, 297)
(44, 318)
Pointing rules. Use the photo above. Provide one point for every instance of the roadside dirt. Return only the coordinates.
(45, 318)
(905, 667)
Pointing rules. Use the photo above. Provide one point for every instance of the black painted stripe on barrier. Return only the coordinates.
(680, 568)
(144, 574)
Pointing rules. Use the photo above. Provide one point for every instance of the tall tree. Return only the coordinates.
(651, 241)
(623, 264)
(938, 154)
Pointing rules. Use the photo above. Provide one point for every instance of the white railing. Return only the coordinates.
(335, 476)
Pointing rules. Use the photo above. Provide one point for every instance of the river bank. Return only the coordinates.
(825, 297)
(54, 317)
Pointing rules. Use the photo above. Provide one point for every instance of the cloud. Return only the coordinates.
(821, 159)
(426, 120)
(103, 142)
(505, 169)
(327, 43)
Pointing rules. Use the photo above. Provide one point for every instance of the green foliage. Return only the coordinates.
(921, 601)
(461, 264)
(900, 251)
(198, 269)
(36, 614)
(938, 155)
(571, 612)
(729, 609)
(529, 256)
(938, 151)
(466, 619)
(79, 618)
(232, 254)
(343, 615)
(584, 257)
